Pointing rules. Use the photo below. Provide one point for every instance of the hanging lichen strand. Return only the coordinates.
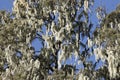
(108, 41)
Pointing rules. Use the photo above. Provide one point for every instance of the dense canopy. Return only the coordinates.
(64, 29)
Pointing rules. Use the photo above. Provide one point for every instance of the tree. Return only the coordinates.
(108, 44)
(61, 26)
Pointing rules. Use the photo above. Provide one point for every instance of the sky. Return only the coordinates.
(110, 5)
(6, 5)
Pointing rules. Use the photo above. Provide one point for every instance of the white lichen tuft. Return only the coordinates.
(37, 64)
(82, 77)
(60, 58)
(98, 53)
(90, 43)
(86, 5)
(113, 62)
